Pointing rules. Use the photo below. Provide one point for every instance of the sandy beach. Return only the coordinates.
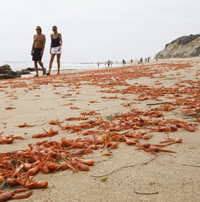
(128, 174)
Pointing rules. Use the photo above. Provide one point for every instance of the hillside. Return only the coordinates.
(183, 47)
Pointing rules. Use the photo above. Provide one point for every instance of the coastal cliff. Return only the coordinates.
(182, 47)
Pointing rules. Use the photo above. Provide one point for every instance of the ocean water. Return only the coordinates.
(19, 65)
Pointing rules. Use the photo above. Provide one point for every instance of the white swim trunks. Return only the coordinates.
(54, 50)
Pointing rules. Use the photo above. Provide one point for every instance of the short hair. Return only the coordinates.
(54, 27)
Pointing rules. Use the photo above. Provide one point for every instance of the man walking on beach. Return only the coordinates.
(38, 49)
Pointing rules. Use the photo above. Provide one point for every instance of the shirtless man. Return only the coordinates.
(38, 49)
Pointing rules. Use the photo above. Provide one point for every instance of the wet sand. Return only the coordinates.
(129, 174)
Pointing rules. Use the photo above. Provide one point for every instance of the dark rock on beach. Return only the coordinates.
(24, 71)
(7, 73)
(182, 47)
(32, 69)
(5, 69)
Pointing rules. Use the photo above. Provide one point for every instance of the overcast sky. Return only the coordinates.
(96, 30)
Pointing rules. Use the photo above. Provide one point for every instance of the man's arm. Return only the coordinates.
(50, 43)
(33, 45)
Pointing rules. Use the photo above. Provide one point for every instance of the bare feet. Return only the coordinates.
(44, 71)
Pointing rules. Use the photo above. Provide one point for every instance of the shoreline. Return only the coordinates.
(94, 66)
(128, 64)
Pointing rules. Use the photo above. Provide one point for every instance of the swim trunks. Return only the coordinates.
(37, 54)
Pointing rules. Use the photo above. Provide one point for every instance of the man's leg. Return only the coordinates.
(36, 68)
(41, 64)
(58, 61)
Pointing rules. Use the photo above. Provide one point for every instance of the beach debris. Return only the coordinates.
(25, 125)
(76, 118)
(52, 122)
(152, 183)
(4, 183)
(10, 108)
(8, 139)
(107, 154)
(126, 104)
(103, 179)
(66, 95)
(172, 140)
(67, 104)
(76, 107)
(110, 97)
(6, 196)
(154, 149)
(146, 193)
(93, 101)
(49, 133)
(89, 113)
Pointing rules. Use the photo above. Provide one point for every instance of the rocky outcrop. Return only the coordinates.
(183, 47)
(32, 69)
(5, 69)
(7, 73)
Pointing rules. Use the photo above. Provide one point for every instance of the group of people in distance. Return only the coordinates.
(140, 61)
(146, 60)
(38, 46)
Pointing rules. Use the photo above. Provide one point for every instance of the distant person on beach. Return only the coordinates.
(38, 49)
(149, 58)
(55, 48)
(131, 62)
(98, 64)
(123, 62)
(141, 60)
(156, 59)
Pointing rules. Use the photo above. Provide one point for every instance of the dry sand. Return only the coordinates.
(130, 175)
